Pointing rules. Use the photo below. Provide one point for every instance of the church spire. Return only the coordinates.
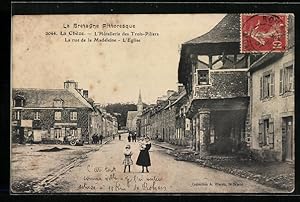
(140, 97)
(140, 103)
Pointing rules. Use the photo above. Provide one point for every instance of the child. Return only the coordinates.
(142, 144)
(127, 161)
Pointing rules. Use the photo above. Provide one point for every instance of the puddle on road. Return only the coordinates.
(54, 149)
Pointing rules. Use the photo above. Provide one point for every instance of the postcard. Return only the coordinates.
(153, 103)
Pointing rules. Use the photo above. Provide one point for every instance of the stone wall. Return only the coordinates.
(223, 84)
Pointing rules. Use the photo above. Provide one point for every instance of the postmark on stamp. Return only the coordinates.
(263, 33)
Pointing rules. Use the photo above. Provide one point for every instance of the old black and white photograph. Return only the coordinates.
(152, 103)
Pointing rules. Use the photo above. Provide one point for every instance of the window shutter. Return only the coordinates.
(52, 133)
(63, 132)
(79, 132)
(68, 132)
(260, 132)
(261, 88)
(281, 82)
(272, 84)
(271, 133)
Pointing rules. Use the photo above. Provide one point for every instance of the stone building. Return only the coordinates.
(157, 130)
(214, 74)
(133, 117)
(182, 123)
(145, 123)
(50, 114)
(272, 103)
(162, 121)
(106, 123)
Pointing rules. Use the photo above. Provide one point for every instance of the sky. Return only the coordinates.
(111, 71)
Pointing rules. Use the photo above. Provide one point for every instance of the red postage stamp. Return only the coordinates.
(263, 33)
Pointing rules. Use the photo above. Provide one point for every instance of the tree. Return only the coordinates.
(122, 109)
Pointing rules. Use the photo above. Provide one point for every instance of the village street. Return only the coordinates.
(102, 171)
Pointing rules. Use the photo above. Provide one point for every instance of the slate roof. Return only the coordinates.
(265, 60)
(131, 115)
(131, 118)
(224, 36)
(42, 98)
(180, 96)
(227, 30)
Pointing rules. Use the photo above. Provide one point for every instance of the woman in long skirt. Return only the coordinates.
(144, 157)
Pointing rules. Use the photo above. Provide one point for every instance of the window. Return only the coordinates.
(17, 115)
(286, 80)
(267, 85)
(58, 132)
(266, 132)
(73, 116)
(19, 102)
(57, 116)
(202, 77)
(57, 102)
(37, 116)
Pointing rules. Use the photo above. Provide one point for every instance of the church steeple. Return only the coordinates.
(140, 103)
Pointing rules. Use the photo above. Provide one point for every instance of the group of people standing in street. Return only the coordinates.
(96, 139)
(143, 158)
(132, 137)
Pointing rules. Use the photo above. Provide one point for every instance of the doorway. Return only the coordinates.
(21, 135)
(287, 139)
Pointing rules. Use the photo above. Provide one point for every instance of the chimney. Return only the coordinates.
(85, 94)
(170, 92)
(71, 84)
(180, 87)
(159, 100)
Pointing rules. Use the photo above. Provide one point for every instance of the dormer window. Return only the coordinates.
(57, 115)
(19, 101)
(58, 103)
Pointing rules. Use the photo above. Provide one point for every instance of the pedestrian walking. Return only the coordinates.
(101, 138)
(113, 136)
(94, 139)
(144, 157)
(30, 137)
(129, 137)
(127, 160)
(119, 136)
(134, 137)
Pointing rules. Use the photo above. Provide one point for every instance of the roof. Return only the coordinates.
(227, 30)
(224, 38)
(181, 95)
(80, 97)
(40, 98)
(131, 115)
(266, 59)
